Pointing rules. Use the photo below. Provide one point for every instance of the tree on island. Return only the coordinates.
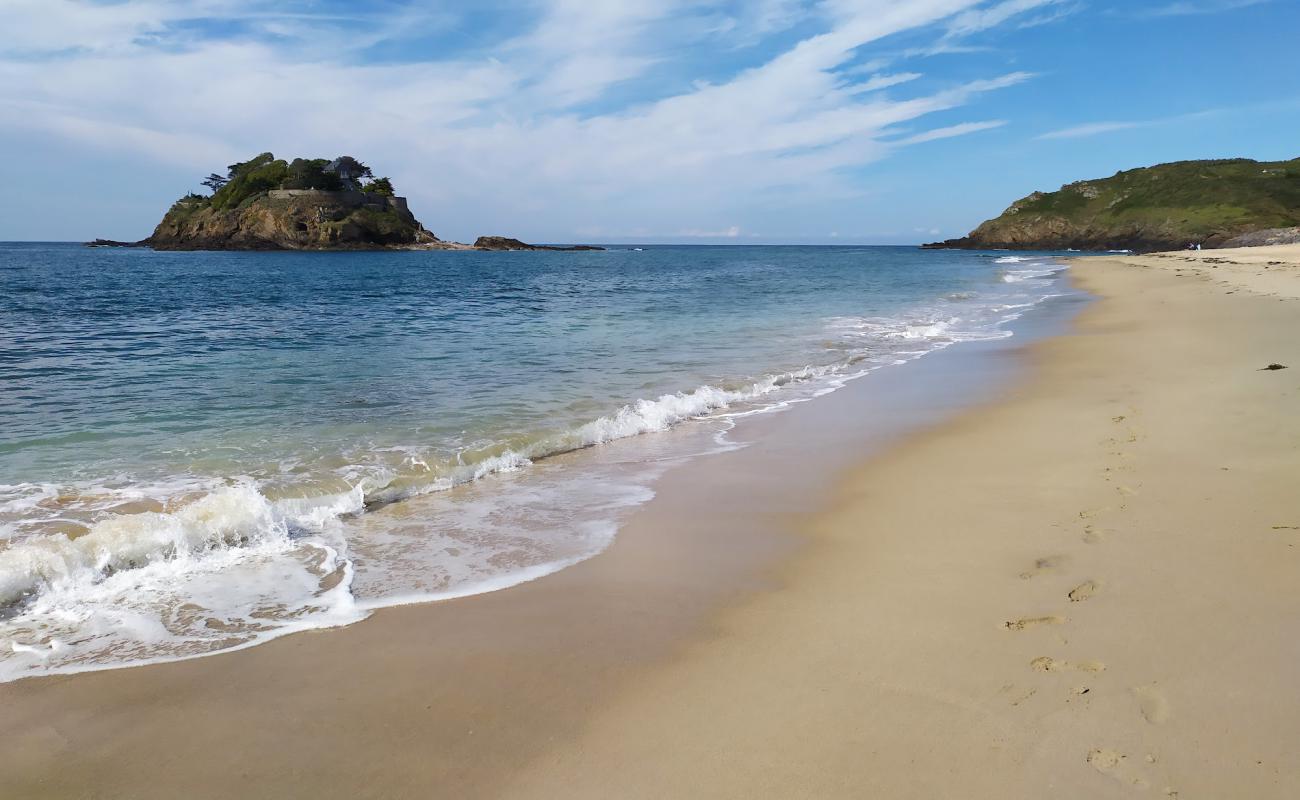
(349, 171)
(257, 176)
(214, 182)
(309, 173)
(380, 186)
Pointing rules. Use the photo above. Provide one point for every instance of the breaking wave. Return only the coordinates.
(179, 570)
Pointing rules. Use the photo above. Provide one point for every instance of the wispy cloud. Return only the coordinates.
(1093, 129)
(985, 17)
(1189, 7)
(982, 19)
(534, 124)
(1100, 128)
(953, 131)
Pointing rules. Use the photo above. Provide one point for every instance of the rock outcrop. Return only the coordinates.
(506, 243)
(1165, 207)
(1266, 238)
(267, 203)
(291, 220)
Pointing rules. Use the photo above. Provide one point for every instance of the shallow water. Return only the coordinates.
(202, 451)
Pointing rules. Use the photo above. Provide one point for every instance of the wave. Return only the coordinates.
(234, 517)
(1034, 272)
(232, 563)
(240, 516)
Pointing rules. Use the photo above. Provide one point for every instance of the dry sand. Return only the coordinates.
(1086, 590)
(1091, 590)
(1273, 270)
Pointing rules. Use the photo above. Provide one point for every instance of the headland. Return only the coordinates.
(1212, 203)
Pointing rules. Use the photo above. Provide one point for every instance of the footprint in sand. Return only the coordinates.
(1032, 622)
(1083, 591)
(1093, 536)
(1117, 765)
(1152, 703)
(1048, 664)
(1045, 564)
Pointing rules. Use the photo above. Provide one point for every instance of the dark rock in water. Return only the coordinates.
(1273, 367)
(1165, 207)
(500, 243)
(506, 243)
(115, 243)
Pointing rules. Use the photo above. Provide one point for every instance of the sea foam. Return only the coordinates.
(229, 562)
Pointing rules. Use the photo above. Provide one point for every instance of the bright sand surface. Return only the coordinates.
(1087, 589)
(1271, 270)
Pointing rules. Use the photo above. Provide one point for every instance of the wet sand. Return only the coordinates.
(1084, 589)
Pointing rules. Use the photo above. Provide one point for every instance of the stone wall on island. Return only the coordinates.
(341, 198)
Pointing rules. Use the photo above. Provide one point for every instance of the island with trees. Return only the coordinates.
(267, 203)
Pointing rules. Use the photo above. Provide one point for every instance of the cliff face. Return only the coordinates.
(291, 220)
(1164, 207)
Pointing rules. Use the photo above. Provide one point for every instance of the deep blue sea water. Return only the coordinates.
(201, 451)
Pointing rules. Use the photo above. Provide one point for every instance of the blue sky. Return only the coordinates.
(711, 121)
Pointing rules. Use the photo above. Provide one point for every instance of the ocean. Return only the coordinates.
(201, 452)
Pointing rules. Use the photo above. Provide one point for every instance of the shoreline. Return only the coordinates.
(1083, 590)
(871, 651)
(716, 528)
(393, 551)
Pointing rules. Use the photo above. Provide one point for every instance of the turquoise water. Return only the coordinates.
(202, 451)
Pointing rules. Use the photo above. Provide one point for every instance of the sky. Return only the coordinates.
(703, 121)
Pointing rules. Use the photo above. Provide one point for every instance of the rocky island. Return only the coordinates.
(267, 203)
(1165, 207)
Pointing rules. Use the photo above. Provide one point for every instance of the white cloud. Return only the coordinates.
(954, 130)
(1099, 128)
(982, 19)
(1092, 129)
(502, 130)
(1189, 7)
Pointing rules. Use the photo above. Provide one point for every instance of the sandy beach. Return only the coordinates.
(1083, 589)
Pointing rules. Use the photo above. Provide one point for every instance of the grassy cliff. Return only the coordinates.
(1163, 207)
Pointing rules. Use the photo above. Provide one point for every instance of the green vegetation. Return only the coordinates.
(248, 180)
(309, 173)
(379, 186)
(1168, 205)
